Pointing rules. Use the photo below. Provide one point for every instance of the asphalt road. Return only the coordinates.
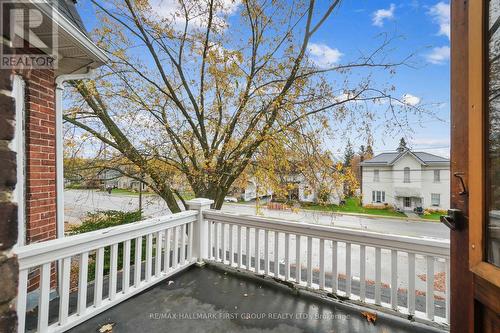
(79, 202)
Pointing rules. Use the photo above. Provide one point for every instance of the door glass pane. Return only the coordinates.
(493, 231)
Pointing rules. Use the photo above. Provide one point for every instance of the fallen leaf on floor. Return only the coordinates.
(106, 328)
(170, 282)
(370, 316)
(245, 295)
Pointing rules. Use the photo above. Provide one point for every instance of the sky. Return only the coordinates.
(423, 29)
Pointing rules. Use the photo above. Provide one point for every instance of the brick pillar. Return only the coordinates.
(40, 156)
(8, 209)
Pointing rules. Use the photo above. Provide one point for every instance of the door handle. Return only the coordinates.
(454, 220)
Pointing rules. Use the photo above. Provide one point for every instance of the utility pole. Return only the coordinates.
(140, 193)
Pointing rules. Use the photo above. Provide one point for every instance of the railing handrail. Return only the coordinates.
(418, 245)
(44, 252)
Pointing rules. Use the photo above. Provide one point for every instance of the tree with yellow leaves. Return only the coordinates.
(188, 93)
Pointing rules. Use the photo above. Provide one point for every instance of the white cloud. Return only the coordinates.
(438, 55)
(172, 11)
(410, 99)
(323, 55)
(440, 13)
(383, 14)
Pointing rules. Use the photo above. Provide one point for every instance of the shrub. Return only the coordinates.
(370, 206)
(430, 211)
(105, 219)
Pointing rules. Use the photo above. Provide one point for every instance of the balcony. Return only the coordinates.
(308, 277)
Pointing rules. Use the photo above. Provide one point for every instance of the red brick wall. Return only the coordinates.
(40, 155)
(40, 140)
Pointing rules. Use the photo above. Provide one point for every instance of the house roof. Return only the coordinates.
(388, 159)
(68, 9)
(76, 52)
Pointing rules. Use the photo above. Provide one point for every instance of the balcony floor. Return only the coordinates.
(227, 300)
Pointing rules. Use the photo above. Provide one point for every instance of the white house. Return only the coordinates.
(406, 179)
(304, 191)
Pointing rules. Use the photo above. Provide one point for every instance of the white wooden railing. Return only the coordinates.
(307, 255)
(168, 249)
(242, 241)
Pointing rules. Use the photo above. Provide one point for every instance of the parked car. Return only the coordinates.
(230, 199)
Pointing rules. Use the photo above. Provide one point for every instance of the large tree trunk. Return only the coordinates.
(166, 194)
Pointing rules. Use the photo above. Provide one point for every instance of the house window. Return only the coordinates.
(437, 176)
(406, 175)
(378, 196)
(376, 175)
(435, 199)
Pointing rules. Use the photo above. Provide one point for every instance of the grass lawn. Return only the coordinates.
(126, 192)
(186, 196)
(353, 205)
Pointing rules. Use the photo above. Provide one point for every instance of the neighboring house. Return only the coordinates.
(56, 29)
(115, 179)
(304, 191)
(249, 192)
(406, 179)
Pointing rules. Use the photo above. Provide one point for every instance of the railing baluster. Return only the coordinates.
(411, 283)
(298, 267)
(216, 240)
(231, 245)
(126, 267)
(21, 300)
(182, 259)
(287, 257)
(113, 273)
(378, 274)
(322, 264)
(447, 289)
(257, 250)
(394, 279)
(334, 267)
(223, 241)
(249, 256)
(138, 262)
(98, 281)
(348, 275)
(43, 301)
(159, 241)
(266, 252)
(239, 247)
(219, 246)
(175, 259)
(64, 291)
(190, 243)
(166, 253)
(309, 261)
(429, 301)
(149, 256)
(82, 283)
(362, 273)
(209, 241)
(276, 255)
